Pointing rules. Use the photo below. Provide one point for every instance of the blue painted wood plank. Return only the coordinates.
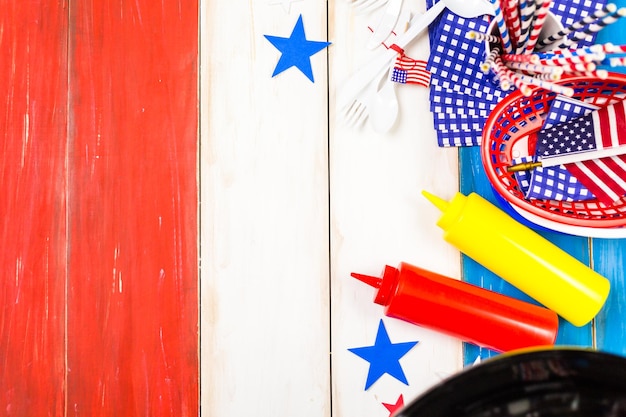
(608, 255)
(609, 260)
(474, 179)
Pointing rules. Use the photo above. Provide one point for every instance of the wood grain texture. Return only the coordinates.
(33, 117)
(132, 288)
(609, 260)
(378, 218)
(264, 196)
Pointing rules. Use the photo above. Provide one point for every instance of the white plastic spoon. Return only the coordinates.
(384, 107)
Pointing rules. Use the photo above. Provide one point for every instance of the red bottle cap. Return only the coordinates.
(385, 285)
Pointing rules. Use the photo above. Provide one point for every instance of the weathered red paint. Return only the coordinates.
(133, 281)
(33, 116)
(98, 208)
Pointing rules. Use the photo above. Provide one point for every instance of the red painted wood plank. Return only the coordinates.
(33, 114)
(133, 280)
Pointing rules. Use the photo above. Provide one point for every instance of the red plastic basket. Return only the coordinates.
(506, 131)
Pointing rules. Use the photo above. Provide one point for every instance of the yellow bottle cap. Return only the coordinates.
(438, 202)
(450, 210)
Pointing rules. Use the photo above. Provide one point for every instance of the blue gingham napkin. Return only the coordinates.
(553, 183)
(461, 96)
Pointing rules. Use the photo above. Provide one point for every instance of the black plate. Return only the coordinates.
(535, 383)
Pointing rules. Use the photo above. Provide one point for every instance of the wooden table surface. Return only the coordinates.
(179, 226)
(294, 201)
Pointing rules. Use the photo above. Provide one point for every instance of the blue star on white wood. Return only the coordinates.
(296, 50)
(384, 357)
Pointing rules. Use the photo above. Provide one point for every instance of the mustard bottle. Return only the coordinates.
(522, 257)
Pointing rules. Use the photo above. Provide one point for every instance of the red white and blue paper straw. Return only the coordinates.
(480, 37)
(554, 72)
(559, 89)
(598, 14)
(591, 29)
(503, 73)
(540, 17)
(486, 65)
(500, 22)
(512, 19)
(527, 14)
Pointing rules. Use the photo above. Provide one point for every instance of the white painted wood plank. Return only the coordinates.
(379, 217)
(264, 216)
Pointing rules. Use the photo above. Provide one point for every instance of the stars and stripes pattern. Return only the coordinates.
(551, 183)
(595, 135)
(590, 136)
(407, 70)
(604, 177)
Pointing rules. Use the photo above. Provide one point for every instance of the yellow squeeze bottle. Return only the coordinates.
(522, 257)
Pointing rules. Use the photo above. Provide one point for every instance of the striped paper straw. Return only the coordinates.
(548, 77)
(593, 28)
(587, 54)
(540, 17)
(480, 36)
(554, 71)
(486, 65)
(559, 89)
(617, 61)
(502, 73)
(599, 48)
(527, 8)
(578, 59)
(512, 19)
(520, 58)
(587, 67)
(598, 14)
(617, 48)
(599, 74)
(504, 32)
(513, 77)
(520, 84)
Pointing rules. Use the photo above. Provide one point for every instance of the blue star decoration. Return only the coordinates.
(384, 357)
(296, 50)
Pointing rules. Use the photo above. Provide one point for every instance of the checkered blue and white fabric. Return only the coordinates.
(458, 86)
(553, 183)
(565, 108)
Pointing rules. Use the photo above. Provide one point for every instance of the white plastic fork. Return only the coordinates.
(368, 72)
(358, 110)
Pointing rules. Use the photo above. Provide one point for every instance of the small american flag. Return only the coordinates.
(604, 177)
(595, 135)
(407, 70)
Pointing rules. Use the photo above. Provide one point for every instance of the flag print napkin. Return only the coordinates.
(461, 95)
(555, 183)
(593, 134)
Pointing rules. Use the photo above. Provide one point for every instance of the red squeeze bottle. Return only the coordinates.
(468, 312)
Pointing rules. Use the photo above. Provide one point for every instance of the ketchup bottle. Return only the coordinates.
(468, 312)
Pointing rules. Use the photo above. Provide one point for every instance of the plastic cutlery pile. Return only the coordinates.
(366, 6)
(369, 73)
(386, 23)
(461, 95)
